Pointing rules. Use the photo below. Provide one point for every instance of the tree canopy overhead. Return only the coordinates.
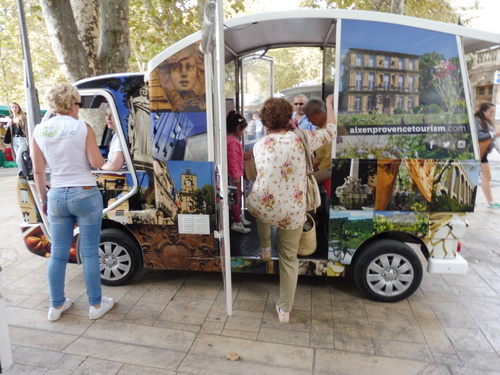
(437, 10)
(74, 39)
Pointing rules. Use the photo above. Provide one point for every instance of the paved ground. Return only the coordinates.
(176, 323)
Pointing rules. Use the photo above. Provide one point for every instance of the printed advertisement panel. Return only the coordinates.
(401, 97)
(178, 107)
(422, 185)
(184, 178)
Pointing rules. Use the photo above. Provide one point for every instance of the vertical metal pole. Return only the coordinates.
(220, 118)
(496, 94)
(33, 107)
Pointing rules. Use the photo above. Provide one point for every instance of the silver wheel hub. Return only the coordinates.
(115, 261)
(110, 260)
(389, 274)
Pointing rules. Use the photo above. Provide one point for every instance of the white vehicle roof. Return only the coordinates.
(314, 28)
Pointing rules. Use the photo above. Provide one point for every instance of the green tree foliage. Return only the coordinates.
(9, 54)
(204, 199)
(294, 66)
(441, 202)
(427, 63)
(416, 223)
(46, 70)
(433, 82)
(437, 10)
(157, 24)
(152, 25)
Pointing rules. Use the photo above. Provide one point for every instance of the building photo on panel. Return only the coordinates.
(401, 97)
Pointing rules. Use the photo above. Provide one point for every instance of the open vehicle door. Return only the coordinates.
(212, 45)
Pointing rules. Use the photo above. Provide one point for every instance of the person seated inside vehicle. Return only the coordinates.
(116, 160)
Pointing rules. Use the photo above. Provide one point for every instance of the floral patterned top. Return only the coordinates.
(278, 194)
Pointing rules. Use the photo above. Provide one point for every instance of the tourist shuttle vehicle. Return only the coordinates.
(404, 170)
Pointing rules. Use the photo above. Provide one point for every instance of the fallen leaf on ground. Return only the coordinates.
(233, 356)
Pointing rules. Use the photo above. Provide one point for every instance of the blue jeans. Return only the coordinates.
(19, 145)
(67, 206)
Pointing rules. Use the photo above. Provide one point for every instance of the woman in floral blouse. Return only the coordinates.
(278, 194)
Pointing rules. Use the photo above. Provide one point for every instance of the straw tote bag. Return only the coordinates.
(308, 242)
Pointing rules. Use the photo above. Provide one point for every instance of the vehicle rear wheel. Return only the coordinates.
(388, 271)
(119, 257)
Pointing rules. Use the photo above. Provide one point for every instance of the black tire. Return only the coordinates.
(388, 271)
(119, 257)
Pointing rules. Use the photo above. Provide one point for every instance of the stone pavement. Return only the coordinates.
(176, 322)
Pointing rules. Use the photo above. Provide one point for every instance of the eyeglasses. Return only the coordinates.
(301, 104)
(79, 104)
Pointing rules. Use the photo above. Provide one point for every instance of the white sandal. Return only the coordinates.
(265, 253)
(283, 317)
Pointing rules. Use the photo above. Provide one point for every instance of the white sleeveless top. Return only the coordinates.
(62, 140)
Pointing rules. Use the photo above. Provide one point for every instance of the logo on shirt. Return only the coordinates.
(57, 132)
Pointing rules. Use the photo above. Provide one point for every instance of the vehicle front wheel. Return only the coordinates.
(388, 271)
(119, 257)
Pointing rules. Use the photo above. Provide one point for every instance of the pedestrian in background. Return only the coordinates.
(299, 101)
(68, 147)
(17, 127)
(485, 118)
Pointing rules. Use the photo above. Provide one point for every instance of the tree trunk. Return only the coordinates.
(69, 50)
(114, 44)
(398, 6)
(83, 47)
(86, 15)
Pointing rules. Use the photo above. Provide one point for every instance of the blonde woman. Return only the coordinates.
(68, 147)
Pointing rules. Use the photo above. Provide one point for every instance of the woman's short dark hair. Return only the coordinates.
(235, 121)
(276, 113)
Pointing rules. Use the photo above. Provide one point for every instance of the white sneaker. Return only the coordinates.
(107, 304)
(238, 227)
(55, 314)
(245, 221)
(493, 205)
